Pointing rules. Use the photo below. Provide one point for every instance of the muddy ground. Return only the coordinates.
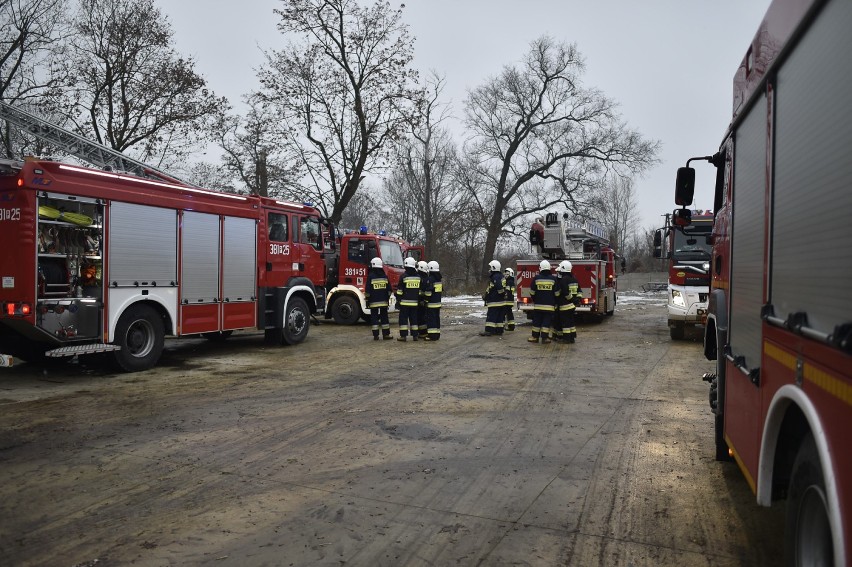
(345, 451)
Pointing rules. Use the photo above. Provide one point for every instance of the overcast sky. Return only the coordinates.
(668, 63)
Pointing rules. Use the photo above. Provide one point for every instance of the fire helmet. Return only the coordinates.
(564, 266)
(410, 262)
(376, 262)
(544, 265)
(509, 272)
(422, 266)
(434, 267)
(494, 266)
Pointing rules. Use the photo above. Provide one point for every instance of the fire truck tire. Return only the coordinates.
(297, 320)
(140, 334)
(808, 530)
(345, 310)
(676, 332)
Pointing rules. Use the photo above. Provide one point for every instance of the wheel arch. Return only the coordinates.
(150, 301)
(349, 290)
(791, 417)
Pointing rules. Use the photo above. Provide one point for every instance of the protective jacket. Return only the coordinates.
(408, 288)
(544, 292)
(437, 290)
(510, 290)
(495, 293)
(569, 292)
(378, 289)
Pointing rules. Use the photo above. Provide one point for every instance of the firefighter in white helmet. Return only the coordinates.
(425, 292)
(495, 301)
(509, 317)
(407, 300)
(377, 293)
(433, 306)
(569, 294)
(543, 292)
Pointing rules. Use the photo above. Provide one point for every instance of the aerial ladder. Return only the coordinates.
(73, 144)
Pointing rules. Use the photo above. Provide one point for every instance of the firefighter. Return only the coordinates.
(425, 293)
(433, 308)
(569, 296)
(495, 301)
(509, 319)
(544, 293)
(377, 292)
(407, 299)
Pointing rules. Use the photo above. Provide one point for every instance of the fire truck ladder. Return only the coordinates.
(78, 146)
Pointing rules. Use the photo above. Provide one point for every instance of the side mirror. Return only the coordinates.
(682, 217)
(659, 237)
(684, 186)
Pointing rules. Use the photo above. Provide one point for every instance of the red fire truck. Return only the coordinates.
(98, 261)
(780, 311)
(347, 271)
(687, 249)
(583, 243)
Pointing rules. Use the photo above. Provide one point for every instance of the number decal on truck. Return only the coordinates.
(279, 249)
(10, 214)
(355, 272)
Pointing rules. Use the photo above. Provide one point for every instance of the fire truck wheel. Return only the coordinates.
(140, 334)
(808, 530)
(297, 320)
(676, 332)
(345, 310)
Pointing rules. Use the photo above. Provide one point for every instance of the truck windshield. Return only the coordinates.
(391, 253)
(691, 246)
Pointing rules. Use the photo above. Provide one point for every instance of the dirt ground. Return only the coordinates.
(346, 451)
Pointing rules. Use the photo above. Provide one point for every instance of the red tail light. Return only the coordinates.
(17, 309)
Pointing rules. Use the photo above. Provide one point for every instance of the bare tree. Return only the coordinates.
(256, 152)
(132, 91)
(541, 139)
(618, 213)
(348, 88)
(32, 35)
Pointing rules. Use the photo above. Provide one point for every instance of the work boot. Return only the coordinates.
(414, 338)
(386, 337)
(532, 340)
(375, 337)
(485, 334)
(545, 341)
(401, 339)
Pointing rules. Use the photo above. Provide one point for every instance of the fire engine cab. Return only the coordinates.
(687, 248)
(348, 268)
(593, 260)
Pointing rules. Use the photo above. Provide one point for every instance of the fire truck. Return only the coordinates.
(115, 261)
(779, 322)
(348, 268)
(687, 248)
(586, 245)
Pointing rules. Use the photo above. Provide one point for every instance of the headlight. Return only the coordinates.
(706, 266)
(677, 298)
